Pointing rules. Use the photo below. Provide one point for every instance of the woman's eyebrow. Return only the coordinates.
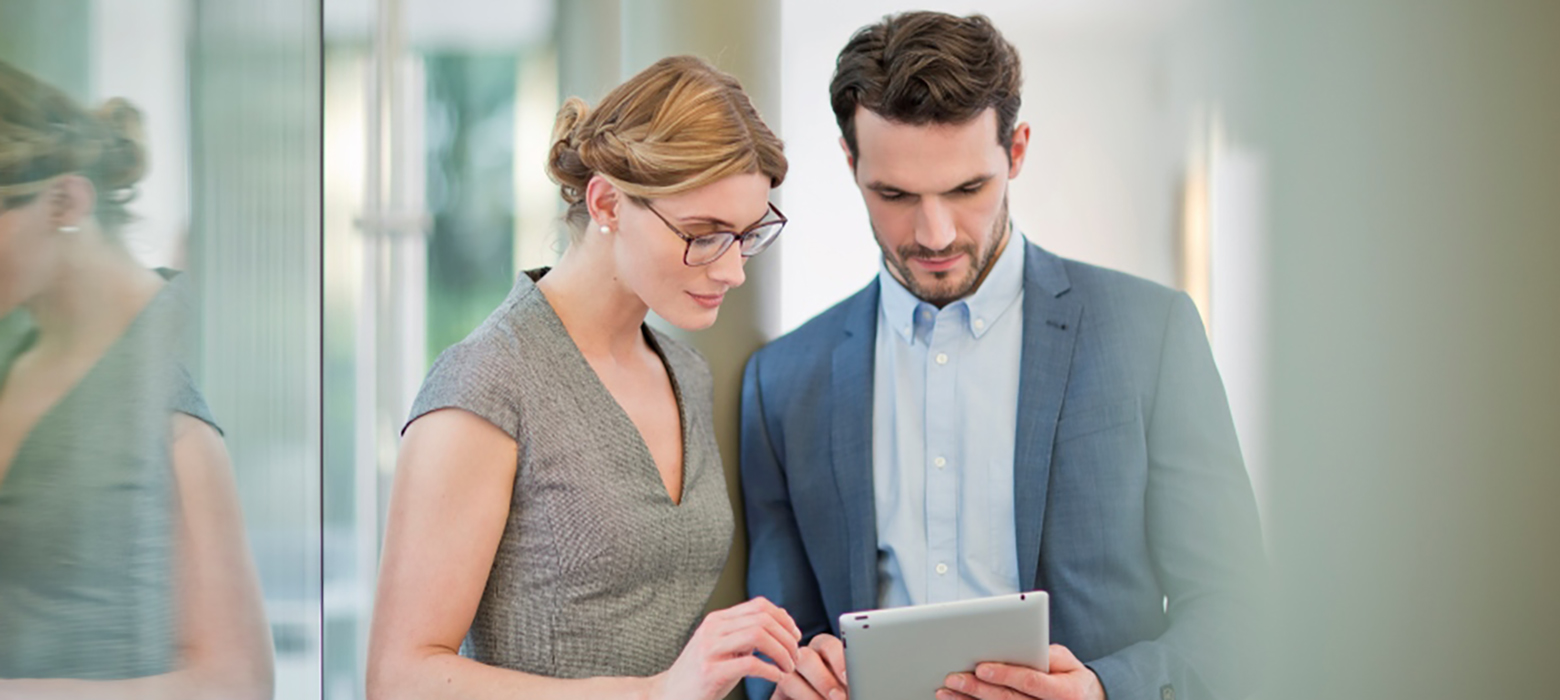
(712, 220)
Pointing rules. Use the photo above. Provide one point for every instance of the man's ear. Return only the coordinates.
(603, 198)
(850, 158)
(1019, 151)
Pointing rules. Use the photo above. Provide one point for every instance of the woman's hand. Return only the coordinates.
(722, 652)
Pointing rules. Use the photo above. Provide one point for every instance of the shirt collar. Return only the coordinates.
(1002, 286)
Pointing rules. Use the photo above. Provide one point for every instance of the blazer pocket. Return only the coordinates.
(1093, 419)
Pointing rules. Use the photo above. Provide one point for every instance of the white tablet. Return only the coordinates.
(906, 653)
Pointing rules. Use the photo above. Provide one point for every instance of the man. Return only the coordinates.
(986, 417)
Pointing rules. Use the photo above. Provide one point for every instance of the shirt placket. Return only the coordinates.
(942, 451)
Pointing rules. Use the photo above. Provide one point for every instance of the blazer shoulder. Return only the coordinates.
(1096, 281)
(818, 336)
(1122, 296)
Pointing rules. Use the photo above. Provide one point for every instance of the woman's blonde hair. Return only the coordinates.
(45, 134)
(678, 125)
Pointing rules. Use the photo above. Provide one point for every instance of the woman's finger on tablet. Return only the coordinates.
(779, 613)
(781, 634)
(749, 667)
(776, 618)
(749, 638)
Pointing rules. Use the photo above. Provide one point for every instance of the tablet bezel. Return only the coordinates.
(898, 653)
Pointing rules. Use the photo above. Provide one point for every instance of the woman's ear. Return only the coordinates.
(71, 201)
(603, 198)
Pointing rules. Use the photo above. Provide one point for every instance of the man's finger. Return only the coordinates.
(1063, 660)
(1023, 679)
(811, 666)
(794, 687)
(967, 684)
(833, 652)
(946, 694)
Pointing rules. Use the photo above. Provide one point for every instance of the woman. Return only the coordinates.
(123, 567)
(559, 514)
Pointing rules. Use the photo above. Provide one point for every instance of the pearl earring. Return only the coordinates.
(605, 230)
(69, 229)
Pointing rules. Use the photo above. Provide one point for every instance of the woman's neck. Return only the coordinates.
(96, 291)
(599, 311)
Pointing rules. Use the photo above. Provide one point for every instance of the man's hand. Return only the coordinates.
(1069, 679)
(819, 674)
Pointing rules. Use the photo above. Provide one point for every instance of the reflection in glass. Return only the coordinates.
(124, 569)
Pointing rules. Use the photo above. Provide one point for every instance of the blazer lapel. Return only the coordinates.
(851, 444)
(1050, 332)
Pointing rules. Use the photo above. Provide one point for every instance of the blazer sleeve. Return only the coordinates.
(778, 568)
(1204, 536)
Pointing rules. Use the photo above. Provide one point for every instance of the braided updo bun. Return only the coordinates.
(44, 134)
(678, 125)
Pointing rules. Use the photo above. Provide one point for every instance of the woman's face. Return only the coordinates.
(649, 254)
(29, 250)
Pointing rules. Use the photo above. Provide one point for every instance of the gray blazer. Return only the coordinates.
(1132, 503)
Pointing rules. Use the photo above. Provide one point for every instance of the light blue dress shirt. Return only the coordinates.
(945, 413)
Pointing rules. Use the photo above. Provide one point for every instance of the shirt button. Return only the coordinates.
(940, 462)
(979, 324)
(942, 358)
(942, 569)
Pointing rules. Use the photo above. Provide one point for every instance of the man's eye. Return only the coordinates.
(972, 189)
(891, 196)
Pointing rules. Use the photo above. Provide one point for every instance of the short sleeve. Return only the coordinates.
(187, 398)
(474, 375)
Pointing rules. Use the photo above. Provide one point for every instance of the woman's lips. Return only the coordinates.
(708, 301)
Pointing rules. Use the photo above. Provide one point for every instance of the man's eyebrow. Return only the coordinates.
(976, 181)
(880, 186)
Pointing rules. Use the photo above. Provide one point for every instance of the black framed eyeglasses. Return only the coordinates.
(707, 247)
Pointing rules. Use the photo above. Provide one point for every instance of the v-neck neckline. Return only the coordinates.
(683, 429)
(109, 353)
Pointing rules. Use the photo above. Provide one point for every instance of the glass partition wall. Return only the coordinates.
(437, 120)
(227, 208)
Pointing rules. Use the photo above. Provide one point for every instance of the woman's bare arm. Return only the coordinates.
(448, 509)
(224, 640)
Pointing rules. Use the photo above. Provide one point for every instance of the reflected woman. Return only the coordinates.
(559, 514)
(123, 566)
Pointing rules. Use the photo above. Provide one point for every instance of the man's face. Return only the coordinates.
(937, 198)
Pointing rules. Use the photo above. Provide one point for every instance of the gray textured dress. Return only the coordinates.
(598, 572)
(88, 513)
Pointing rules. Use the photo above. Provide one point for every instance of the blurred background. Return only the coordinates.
(230, 92)
(1363, 198)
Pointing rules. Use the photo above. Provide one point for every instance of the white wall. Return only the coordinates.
(1101, 181)
(138, 53)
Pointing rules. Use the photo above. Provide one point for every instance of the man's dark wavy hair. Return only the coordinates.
(927, 68)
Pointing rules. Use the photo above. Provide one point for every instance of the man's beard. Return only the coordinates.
(947, 290)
